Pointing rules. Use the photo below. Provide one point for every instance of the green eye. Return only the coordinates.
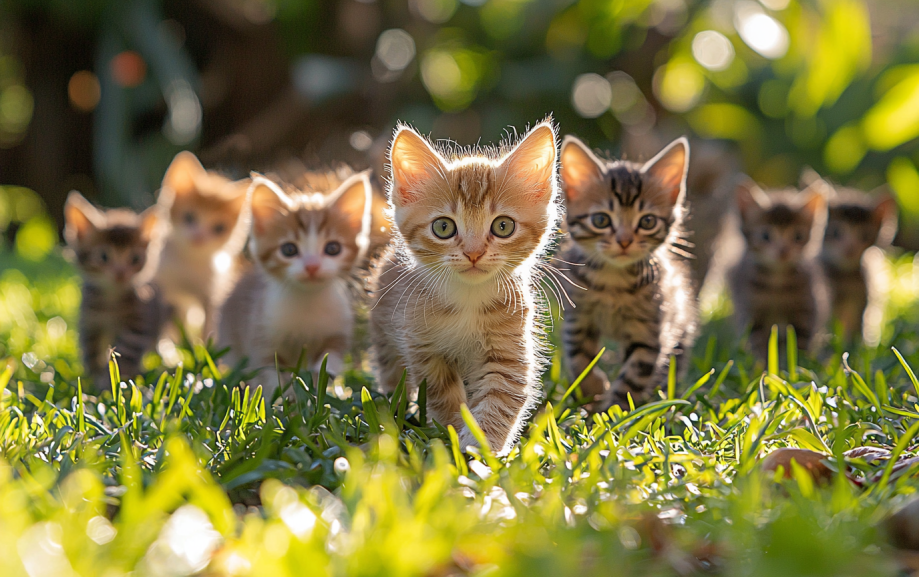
(600, 220)
(503, 226)
(443, 228)
(647, 222)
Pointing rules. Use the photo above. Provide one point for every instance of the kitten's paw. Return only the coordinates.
(466, 439)
(594, 388)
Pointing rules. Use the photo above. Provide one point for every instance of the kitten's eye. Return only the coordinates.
(443, 228)
(765, 236)
(103, 256)
(799, 237)
(135, 259)
(600, 220)
(833, 232)
(219, 228)
(332, 247)
(647, 222)
(289, 249)
(189, 218)
(503, 226)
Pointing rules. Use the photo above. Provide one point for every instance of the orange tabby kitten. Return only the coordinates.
(455, 297)
(306, 246)
(114, 251)
(200, 261)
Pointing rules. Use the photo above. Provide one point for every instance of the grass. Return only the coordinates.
(183, 473)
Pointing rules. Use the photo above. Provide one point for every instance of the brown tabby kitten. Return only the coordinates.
(306, 246)
(115, 250)
(778, 280)
(200, 262)
(856, 222)
(623, 220)
(455, 297)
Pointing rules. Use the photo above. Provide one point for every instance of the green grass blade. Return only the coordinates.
(909, 370)
(773, 353)
(791, 343)
(578, 380)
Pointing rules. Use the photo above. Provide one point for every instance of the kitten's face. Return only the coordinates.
(307, 239)
(205, 205)
(110, 246)
(473, 218)
(782, 229)
(856, 221)
(621, 212)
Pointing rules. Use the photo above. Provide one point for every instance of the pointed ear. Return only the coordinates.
(182, 172)
(81, 218)
(750, 198)
(149, 221)
(412, 161)
(669, 168)
(815, 195)
(533, 162)
(352, 200)
(885, 215)
(268, 202)
(580, 169)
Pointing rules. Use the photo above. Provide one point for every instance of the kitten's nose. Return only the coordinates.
(624, 242)
(475, 255)
(312, 269)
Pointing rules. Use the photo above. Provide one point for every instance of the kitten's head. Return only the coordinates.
(309, 238)
(475, 217)
(620, 212)
(856, 221)
(203, 206)
(111, 246)
(782, 228)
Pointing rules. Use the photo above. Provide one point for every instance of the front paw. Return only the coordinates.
(594, 388)
(466, 439)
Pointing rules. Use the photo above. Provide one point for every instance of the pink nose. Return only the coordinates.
(474, 255)
(312, 269)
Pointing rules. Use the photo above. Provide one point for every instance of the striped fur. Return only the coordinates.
(778, 280)
(623, 219)
(115, 252)
(297, 298)
(461, 313)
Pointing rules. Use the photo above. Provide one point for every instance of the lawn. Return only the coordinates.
(181, 473)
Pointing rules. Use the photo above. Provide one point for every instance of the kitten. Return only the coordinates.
(778, 280)
(200, 262)
(306, 246)
(856, 222)
(114, 251)
(455, 298)
(623, 220)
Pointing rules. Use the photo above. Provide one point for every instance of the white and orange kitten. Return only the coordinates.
(306, 246)
(200, 260)
(455, 297)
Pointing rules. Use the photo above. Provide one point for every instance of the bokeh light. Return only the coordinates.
(184, 121)
(761, 32)
(678, 85)
(434, 11)
(84, 91)
(591, 95)
(395, 50)
(128, 68)
(713, 50)
(360, 140)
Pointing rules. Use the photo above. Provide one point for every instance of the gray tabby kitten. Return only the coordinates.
(623, 219)
(120, 308)
(778, 280)
(857, 221)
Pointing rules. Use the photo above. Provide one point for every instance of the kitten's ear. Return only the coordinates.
(149, 221)
(815, 199)
(182, 172)
(750, 198)
(268, 202)
(669, 168)
(532, 162)
(352, 201)
(81, 218)
(580, 169)
(412, 161)
(885, 215)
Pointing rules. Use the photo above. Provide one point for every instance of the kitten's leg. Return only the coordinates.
(582, 345)
(445, 391)
(91, 342)
(499, 401)
(335, 347)
(388, 364)
(639, 375)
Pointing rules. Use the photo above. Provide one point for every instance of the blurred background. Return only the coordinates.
(98, 95)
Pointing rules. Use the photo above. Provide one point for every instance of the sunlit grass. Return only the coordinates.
(187, 473)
